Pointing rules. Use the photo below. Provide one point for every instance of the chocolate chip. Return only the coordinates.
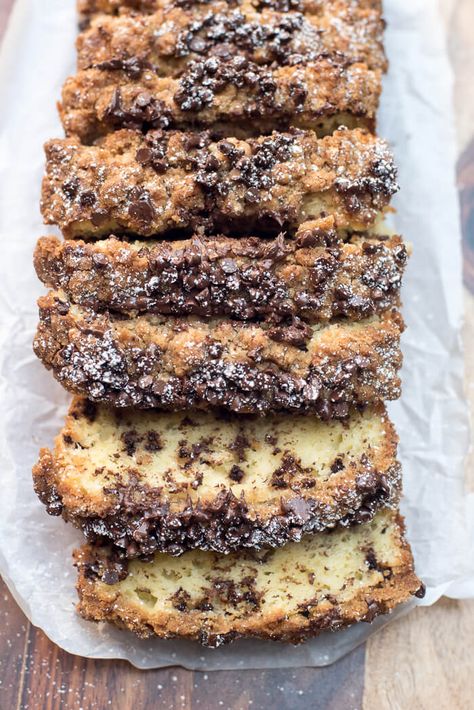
(70, 187)
(142, 209)
(87, 198)
(421, 591)
(144, 155)
(226, 147)
(337, 465)
(371, 560)
(62, 307)
(130, 440)
(252, 195)
(99, 259)
(110, 576)
(236, 474)
(215, 350)
(195, 140)
(145, 382)
(197, 45)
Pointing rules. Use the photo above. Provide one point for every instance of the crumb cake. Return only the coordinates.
(225, 308)
(183, 182)
(176, 34)
(313, 277)
(151, 361)
(324, 582)
(147, 481)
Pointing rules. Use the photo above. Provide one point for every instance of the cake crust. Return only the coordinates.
(175, 182)
(178, 363)
(235, 601)
(313, 277)
(154, 481)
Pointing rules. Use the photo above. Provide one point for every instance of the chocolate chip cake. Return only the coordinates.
(176, 182)
(225, 307)
(176, 34)
(324, 582)
(314, 277)
(177, 363)
(148, 481)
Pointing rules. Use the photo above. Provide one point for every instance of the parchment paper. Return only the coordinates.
(431, 417)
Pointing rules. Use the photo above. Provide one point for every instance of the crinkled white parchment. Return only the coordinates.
(417, 118)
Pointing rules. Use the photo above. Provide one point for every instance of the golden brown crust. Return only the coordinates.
(172, 181)
(174, 483)
(177, 363)
(233, 96)
(313, 277)
(234, 605)
(173, 36)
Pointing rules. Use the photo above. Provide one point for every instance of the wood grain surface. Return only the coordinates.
(421, 661)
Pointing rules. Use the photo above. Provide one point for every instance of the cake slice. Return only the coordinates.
(231, 95)
(182, 182)
(177, 34)
(147, 481)
(313, 277)
(178, 363)
(325, 582)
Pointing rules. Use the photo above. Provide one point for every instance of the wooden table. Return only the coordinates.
(422, 661)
